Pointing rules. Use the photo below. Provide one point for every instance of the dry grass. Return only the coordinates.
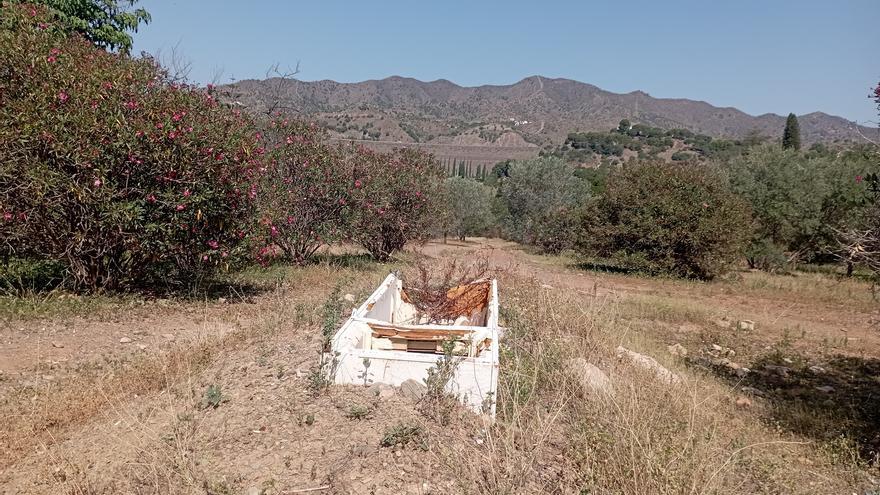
(648, 437)
(142, 415)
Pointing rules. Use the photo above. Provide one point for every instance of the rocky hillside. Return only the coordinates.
(533, 112)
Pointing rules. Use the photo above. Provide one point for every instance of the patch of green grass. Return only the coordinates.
(34, 305)
(403, 434)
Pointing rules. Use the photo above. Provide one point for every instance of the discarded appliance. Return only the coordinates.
(388, 340)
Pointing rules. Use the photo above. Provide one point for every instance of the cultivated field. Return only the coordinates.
(217, 396)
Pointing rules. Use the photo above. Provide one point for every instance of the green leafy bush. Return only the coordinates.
(538, 196)
(679, 220)
(109, 168)
(470, 206)
(397, 199)
(304, 198)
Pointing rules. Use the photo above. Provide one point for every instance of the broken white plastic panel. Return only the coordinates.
(362, 358)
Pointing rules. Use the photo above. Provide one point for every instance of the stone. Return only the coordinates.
(546, 287)
(142, 347)
(591, 378)
(648, 363)
(754, 391)
(169, 336)
(743, 402)
(723, 323)
(746, 325)
(677, 350)
(825, 389)
(788, 361)
(125, 340)
(48, 378)
(817, 369)
(348, 297)
(221, 300)
(254, 491)
(381, 390)
(782, 371)
(741, 372)
(413, 389)
(58, 345)
(140, 332)
(717, 348)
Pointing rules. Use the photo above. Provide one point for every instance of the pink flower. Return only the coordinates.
(289, 140)
(159, 125)
(55, 51)
(213, 244)
(224, 254)
(180, 207)
(172, 134)
(131, 105)
(210, 87)
(63, 97)
(139, 134)
(177, 116)
(7, 216)
(858, 178)
(107, 85)
(186, 193)
(274, 231)
(97, 183)
(42, 26)
(357, 183)
(205, 258)
(151, 198)
(51, 59)
(342, 201)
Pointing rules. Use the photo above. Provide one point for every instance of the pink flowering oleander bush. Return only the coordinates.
(107, 167)
(396, 199)
(304, 196)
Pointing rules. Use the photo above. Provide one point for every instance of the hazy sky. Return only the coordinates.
(760, 56)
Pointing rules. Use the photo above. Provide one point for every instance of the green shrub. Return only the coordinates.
(109, 168)
(679, 220)
(397, 199)
(537, 198)
(469, 205)
(304, 194)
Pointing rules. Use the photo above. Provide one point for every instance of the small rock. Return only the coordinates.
(723, 323)
(348, 297)
(142, 347)
(648, 363)
(753, 391)
(413, 389)
(169, 336)
(817, 369)
(743, 402)
(547, 287)
(140, 332)
(782, 371)
(591, 378)
(747, 325)
(741, 372)
(677, 350)
(717, 348)
(719, 361)
(125, 340)
(382, 390)
(730, 353)
(48, 378)
(58, 345)
(788, 361)
(733, 366)
(254, 491)
(221, 300)
(825, 389)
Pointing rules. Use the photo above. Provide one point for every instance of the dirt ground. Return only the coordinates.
(116, 399)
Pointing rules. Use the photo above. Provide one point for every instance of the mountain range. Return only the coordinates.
(533, 112)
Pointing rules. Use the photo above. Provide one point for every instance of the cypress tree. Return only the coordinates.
(791, 138)
(461, 169)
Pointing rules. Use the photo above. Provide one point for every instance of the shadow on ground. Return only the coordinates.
(836, 400)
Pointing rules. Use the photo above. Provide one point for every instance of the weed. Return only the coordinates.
(358, 412)
(213, 397)
(437, 403)
(403, 434)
